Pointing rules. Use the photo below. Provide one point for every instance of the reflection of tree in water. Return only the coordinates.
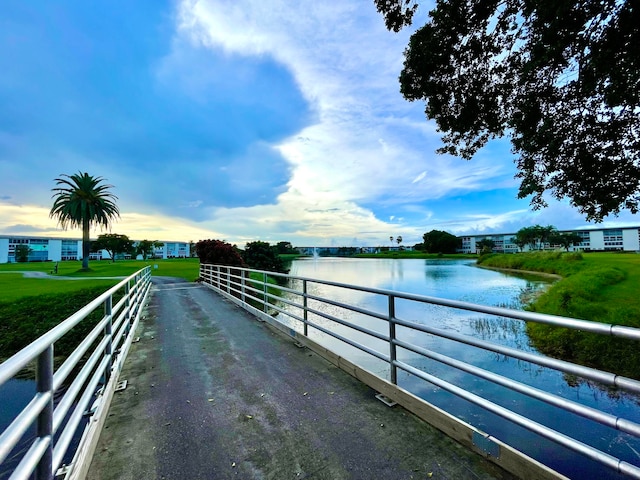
(530, 293)
(506, 331)
(438, 271)
(597, 389)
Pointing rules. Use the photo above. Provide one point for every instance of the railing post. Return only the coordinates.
(264, 286)
(44, 384)
(127, 308)
(392, 338)
(108, 349)
(305, 313)
(242, 283)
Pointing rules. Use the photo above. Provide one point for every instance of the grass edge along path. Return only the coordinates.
(599, 287)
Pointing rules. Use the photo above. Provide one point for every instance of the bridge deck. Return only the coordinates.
(214, 394)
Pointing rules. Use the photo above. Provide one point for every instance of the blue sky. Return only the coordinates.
(239, 120)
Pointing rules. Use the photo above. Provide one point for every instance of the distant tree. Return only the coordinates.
(144, 248)
(561, 79)
(156, 244)
(486, 245)
(263, 256)
(419, 247)
(437, 241)
(399, 239)
(82, 200)
(192, 249)
(391, 239)
(565, 239)
(520, 241)
(22, 253)
(113, 243)
(285, 248)
(545, 233)
(219, 252)
(535, 236)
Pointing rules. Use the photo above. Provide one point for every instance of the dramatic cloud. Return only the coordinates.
(235, 119)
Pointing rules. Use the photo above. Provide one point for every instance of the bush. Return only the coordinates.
(263, 256)
(218, 252)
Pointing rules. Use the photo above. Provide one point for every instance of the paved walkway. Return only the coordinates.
(215, 394)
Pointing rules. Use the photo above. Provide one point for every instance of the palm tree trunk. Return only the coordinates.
(86, 244)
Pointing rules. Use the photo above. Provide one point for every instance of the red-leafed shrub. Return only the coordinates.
(217, 252)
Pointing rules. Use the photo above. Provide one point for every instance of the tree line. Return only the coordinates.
(257, 255)
(534, 237)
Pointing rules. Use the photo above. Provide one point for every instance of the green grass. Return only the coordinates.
(24, 320)
(13, 286)
(600, 287)
(30, 307)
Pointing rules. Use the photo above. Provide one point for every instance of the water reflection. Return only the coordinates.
(461, 280)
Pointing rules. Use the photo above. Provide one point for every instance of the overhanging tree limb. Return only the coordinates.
(560, 79)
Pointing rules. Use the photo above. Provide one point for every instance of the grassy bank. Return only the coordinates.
(30, 307)
(24, 320)
(601, 287)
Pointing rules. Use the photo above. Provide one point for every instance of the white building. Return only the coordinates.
(43, 249)
(603, 239)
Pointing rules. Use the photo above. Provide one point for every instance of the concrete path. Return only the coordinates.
(215, 394)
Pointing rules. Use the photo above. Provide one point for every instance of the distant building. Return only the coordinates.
(347, 251)
(602, 239)
(43, 249)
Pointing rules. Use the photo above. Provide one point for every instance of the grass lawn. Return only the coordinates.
(626, 292)
(15, 285)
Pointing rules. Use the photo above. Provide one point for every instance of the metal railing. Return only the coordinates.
(252, 290)
(90, 365)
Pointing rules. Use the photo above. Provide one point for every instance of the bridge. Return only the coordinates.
(237, 377)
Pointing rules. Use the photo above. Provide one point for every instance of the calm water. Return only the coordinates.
(462, 280)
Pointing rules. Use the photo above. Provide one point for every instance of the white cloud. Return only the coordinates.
(368, 145)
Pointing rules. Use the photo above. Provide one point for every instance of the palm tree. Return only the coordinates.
(82, 200)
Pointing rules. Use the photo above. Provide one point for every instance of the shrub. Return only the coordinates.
(218, 252)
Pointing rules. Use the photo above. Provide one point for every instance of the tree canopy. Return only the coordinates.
(486, 245)
(82, 200)
(560, 79)
(437, 241)
(219, 252)
(113, 243)
(22, 253)
(263, 256)
(535, 236)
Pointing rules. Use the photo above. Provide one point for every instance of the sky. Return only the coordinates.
(238, 120)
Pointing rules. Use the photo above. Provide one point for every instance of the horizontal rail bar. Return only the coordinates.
(535, 427)
(84, 382)
(14, 432)
(76, 386)
(15, 363)
(30, 460)
(228, 281)
(72, 425)
(603, 418)
(562, 365)
(573, 323)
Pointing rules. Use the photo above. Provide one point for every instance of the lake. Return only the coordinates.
(462, 280)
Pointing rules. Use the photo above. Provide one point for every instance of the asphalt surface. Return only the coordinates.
(214, 394)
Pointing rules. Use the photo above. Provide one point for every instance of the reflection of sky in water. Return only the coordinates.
(461, 280)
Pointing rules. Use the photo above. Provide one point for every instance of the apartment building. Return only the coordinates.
(43, 249)
(603, 239)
